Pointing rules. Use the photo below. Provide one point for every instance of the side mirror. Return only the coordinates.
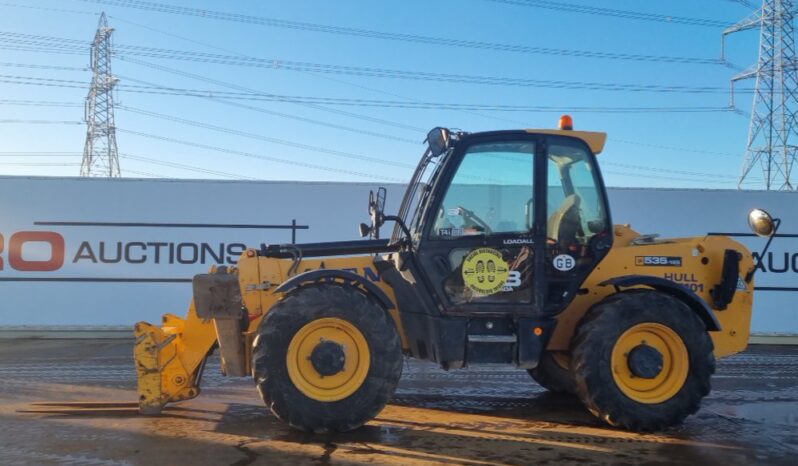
(761, 223)
(364, 230)
(438, 141)
(376, 209)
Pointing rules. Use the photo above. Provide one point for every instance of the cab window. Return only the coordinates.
(575, 204)
(490, 194)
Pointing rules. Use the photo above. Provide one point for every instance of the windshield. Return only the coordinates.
(491, 192)
(416, 194)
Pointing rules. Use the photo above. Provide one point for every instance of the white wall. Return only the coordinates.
(78, 291)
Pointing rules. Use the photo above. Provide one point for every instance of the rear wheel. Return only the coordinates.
(327, 358)
(642, 360)
(553, 372)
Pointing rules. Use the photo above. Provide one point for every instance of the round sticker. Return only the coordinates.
(564, 262)
(484, 271)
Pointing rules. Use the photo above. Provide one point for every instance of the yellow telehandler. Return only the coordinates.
(503, 251)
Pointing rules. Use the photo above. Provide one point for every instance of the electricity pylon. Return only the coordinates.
(772, 135)
(100, 154)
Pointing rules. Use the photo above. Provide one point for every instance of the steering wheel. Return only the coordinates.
(474, 218)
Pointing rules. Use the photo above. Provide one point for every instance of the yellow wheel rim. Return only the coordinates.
(675, 363)
(332, 387)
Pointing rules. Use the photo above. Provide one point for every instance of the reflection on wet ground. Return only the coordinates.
(479, 416)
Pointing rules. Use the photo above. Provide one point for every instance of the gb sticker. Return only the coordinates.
(564, 262)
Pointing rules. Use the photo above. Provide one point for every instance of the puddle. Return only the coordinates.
(770, 412)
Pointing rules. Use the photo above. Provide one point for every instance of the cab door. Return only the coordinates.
(479, 240)
(578, 226)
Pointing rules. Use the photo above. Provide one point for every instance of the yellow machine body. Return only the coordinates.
(170, 358)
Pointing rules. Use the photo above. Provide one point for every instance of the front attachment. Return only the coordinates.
(149, 341)
(162, 377)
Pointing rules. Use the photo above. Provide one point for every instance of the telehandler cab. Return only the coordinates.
(504, 252)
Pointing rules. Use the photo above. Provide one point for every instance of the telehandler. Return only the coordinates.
(503, 251)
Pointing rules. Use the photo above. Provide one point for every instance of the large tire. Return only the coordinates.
(327, 308)
(552, 376)
(620, 390)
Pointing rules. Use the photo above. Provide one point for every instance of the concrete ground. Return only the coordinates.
(479, 416)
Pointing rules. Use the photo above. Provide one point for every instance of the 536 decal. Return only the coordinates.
(664, 261)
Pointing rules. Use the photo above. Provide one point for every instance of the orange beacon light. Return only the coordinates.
(566, 122)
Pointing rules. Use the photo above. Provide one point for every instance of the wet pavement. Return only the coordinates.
(479, 416)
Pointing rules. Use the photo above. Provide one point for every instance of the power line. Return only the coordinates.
(38, 103)
(371, 159)
(259, 156)
(41, 122)
(348, 102)
(610, 12)
(123, 52)
(215, 47)
(183, 166)
(43, 67)
(313, 68)
(667, 170)
(230, 85)
(61, 44)
(634, 167)
(40, 154)
(36, 81)
(235, 86)
(401, 37)
(50, 9)
(149, 174)
(744, 3)
(677, 149)
(238, 54)
(207, 94)
(372, 72)
(259, 137)
(315, 75)
(662, 177)
(343, 154)
(39, 164)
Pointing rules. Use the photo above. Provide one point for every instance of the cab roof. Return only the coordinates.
(594, 140)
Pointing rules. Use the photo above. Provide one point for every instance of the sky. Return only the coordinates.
(213, 136)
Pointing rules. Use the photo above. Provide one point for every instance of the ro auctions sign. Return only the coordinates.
(81, 247)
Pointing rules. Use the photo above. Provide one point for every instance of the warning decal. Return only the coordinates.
(484, 271)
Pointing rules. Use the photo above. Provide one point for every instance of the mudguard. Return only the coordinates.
(698, 305)
(332, 274)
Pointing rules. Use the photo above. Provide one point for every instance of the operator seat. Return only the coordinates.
(563, 224)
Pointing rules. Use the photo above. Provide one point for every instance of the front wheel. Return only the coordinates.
(642, 360)
(327, 358)
(553, 373)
